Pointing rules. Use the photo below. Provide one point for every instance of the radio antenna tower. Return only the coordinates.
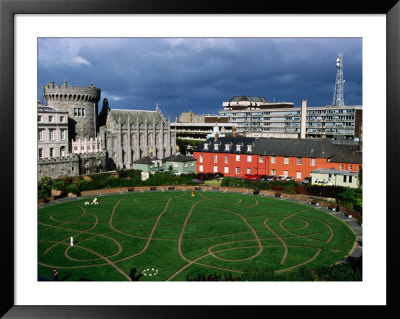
(338, 98)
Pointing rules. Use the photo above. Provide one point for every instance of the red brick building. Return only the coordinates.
(237, 156)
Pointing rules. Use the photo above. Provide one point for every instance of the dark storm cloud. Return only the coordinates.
(198, 74)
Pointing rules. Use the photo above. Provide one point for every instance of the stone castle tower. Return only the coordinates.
(82, 105)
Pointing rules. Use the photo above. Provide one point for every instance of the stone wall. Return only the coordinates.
(91, 163)
(58, 167)
(72, 166)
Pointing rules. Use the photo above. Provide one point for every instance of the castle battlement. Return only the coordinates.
(66, 92)
(54, 160)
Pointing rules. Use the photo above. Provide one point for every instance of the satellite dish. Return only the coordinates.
(337, 60)
(337, 64)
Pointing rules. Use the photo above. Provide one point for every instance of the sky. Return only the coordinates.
(198, 74)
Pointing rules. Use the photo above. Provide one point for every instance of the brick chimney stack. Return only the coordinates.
(216, 135)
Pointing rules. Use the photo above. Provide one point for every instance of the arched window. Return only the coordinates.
(133, 139)
(141, 139)
(158, 139)
(150, 139)
(62, 151)
(124, 141)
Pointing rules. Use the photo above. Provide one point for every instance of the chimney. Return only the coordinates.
(303, 123)
(216, 135)
(244, 133)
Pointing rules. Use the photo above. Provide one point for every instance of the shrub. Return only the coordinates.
(324, 191)
(300, 190)
(44, 187)
(58, 185)
(73, 188)
(351, 198)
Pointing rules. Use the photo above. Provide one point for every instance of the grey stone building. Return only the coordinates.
(128, 135)
(124, 135)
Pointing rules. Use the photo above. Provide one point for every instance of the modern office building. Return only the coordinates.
(256, 117)
(191, 129)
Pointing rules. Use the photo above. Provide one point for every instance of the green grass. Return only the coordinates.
(219, 236)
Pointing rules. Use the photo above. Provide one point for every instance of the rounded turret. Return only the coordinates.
(81, 102)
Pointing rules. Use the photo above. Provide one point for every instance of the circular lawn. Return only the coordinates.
(171, 235)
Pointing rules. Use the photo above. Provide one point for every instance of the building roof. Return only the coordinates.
(334, 171)
(48, 109)
(135, 115)
(179, 158)
(222, 141)
(248, 98)
(318, 148)
(145, 160)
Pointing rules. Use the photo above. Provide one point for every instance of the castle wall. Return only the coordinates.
(58, 167)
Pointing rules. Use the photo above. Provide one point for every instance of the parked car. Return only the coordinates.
(323, 183)
(272, 178)
(247, 176)
(219, 176)
(282, 178)
(263, 178)
(306, 180)
(255, 177)
(289, 179)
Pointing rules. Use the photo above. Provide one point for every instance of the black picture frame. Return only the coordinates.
(8, 10)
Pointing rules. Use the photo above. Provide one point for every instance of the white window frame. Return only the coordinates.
(226, 169)
(216, 147)
(342, 167)
(249, 147)
(249, 158)
(273, 172)
(273, 159)
(286, 173)
(312, 161)
(206, 146)
(215, 169)
(215, 158)
(237, 157)
(261, 159)
(63, 135)
(192, 164)
(40, 135)
(201, 168)
(227, 147)
(248, 170)
(51, 118)
(226, 159)
(175, 164)
(40, 153)
(238, 147)
(237, 170)
(286, 160)
(51, 152)
(51, 135)
(350, 167)
(185, 165)
(299, 161)
(298, 175)
(201, 158)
